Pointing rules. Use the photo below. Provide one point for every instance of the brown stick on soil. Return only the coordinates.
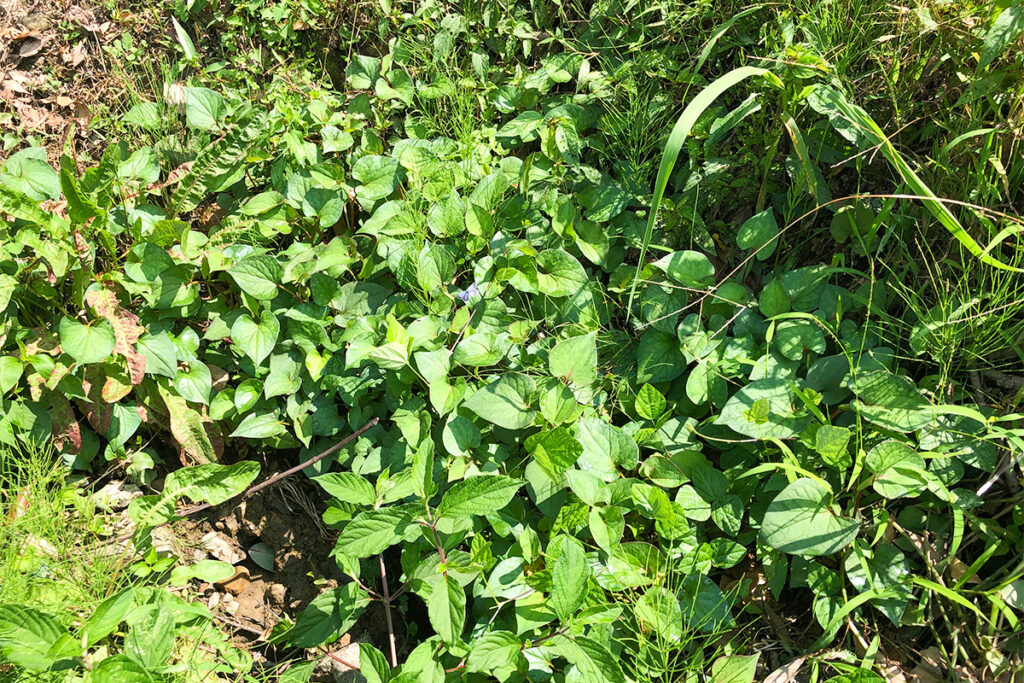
(288, 472)
(268, 482)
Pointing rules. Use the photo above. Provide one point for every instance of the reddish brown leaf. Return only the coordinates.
(126, 329)
(67, 435)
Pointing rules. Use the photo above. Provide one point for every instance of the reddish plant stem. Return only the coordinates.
(387, 612)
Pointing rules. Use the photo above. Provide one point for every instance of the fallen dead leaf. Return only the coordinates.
(785, 673)
(35, 118)
(64, 101)
(29, 46)
(75, 55)
(929, 670)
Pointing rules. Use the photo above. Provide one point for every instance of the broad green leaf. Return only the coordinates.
(480, 495)
(559, 273)
(161, 356)
(28, 171)
(120, 668)
(348, 487)
(555, 450)
(649, 403)
(247, 394)
(569, 579)
(256, 339)
(11, 370)
(605, 447)
(891, 401)
(378, 177)
(107, 615)
(372, 664)
(831, 444)
(328, 617)
(209, 571)
(335, 140)
(362, 72)
(258, 275)
(526, 127)
(734, 669)
(763, 409)
(195, 383)
(794, 338)
(371, 532)
(86, 343)
(1007, 27)
(32, 639)
(689, 268)
(658, 357)
(658, 608)
(885, 567)
(434, 268)
(802, 520)
(460, 435)
(494, 651)
(204, 108)
(592, 661)
(446, 609)
(258, 426)
(575, 359)
(210, 483)
(144, 115)
(704, 606)
(506, 402)
(481, 349)
(899, 470)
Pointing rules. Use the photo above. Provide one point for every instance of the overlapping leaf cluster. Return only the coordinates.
(562, 481)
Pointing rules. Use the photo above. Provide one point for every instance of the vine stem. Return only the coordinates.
(387, 611)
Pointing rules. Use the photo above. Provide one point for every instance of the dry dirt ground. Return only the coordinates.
(54, 75)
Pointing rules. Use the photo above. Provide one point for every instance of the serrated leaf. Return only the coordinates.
(480, 495)
(371, 532)
(446, 609)
(492, 651)
(348, 487)
(328, 617)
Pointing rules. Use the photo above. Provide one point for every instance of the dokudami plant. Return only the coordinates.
(575, 446)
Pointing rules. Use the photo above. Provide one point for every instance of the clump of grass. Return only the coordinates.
(46, 527)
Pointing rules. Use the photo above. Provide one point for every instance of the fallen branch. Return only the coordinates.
(267, 482)
(288, 472)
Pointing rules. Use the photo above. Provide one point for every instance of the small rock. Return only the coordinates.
(237, 583)
(275, 595)
(222, 548)
(117, 495)
(342, 673)
(35, 21)
(163, 541)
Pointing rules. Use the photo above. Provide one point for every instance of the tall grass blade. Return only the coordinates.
(676, 140)
(837, 105)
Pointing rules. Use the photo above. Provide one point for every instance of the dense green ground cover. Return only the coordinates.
(693, 333)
